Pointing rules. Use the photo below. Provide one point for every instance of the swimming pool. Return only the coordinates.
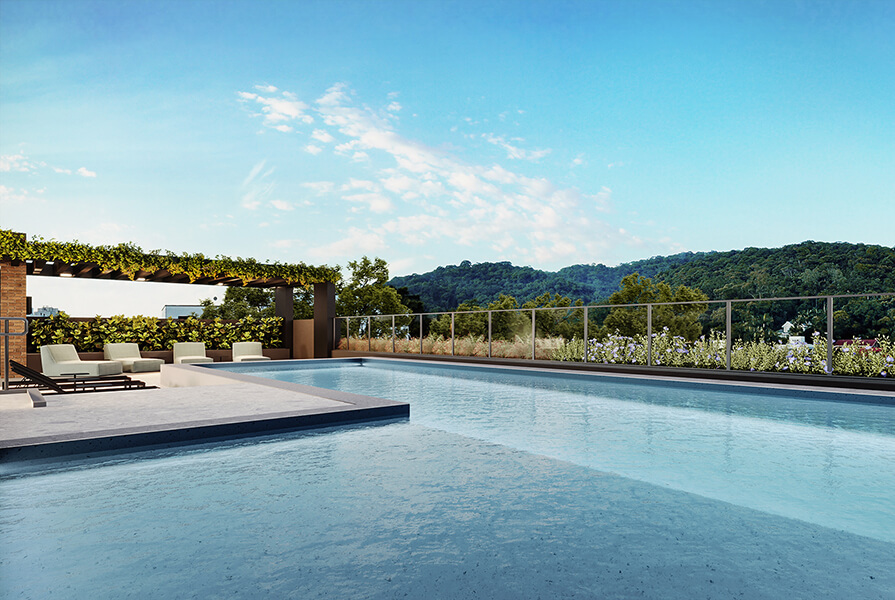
(820, 460)
(469, 499)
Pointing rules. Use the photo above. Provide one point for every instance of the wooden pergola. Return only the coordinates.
(13, 294)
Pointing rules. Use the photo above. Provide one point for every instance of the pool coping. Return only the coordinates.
(869, 396)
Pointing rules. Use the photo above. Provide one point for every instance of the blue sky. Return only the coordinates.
(426, 133)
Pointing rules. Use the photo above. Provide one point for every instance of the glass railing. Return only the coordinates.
(842, 334)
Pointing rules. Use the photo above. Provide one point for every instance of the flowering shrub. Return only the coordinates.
(668, 350)
(710, 353)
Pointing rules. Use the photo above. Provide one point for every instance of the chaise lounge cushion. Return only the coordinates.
(58, 360)
(128, 354)
(190, 353)
(248, 351)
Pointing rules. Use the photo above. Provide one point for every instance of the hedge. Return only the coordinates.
(151, 333)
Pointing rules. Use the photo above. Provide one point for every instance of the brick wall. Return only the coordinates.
(13, 303)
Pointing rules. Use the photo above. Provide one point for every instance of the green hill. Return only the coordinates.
(809, 268)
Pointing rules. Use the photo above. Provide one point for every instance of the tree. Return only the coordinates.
(240, 302)
(366, 293)
(681, 319)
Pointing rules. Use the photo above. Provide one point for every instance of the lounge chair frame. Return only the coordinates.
(74, 384)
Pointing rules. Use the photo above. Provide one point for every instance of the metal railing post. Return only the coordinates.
(649, 335)
(369, 336)
(393, 334)
(421, 334)
(728, 336)
(6, 354)
(348, 331)
(585, 334)
(452, 333)
(6, 335)
(532, 334)
(489, 334)
(829, 335)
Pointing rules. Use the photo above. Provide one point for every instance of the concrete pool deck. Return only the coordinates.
(188, 406)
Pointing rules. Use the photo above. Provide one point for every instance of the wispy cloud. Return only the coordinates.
(19, 163)
(514, 152)
(322, 136)
(16, 162)
(281, 205)
(10, 197)
(256, 188)
(278, 111)
(414, 194)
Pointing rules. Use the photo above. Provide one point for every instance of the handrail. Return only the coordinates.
(5, 333)
(728, 304)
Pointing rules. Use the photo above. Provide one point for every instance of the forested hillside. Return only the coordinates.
(809, 268)
(446, 287)
(806, 269)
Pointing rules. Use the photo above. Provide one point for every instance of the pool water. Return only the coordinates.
(433, 508)
(825, 462)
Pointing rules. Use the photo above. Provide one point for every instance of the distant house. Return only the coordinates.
(181, 311)
(45, 311)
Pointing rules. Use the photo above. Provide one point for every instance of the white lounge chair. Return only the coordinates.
(189, 353)
(128, 354)
(248, 351)
(59, 360)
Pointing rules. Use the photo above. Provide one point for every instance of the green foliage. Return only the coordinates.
(240, 302)
(150, 333)
(680, 319)
(806, 269)
(367, 293)
(130, 260)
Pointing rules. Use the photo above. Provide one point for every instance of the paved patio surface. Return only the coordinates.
(75, 423)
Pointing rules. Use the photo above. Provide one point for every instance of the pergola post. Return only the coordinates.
(324, 317)
(14, 304)
(285, 309)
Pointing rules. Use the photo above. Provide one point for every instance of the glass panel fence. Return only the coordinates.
(620, 338)
(863, 336)
(471, 334)
(769, 335)
(407, 329)
(511, 334)
(780, 336)
(689, 335)
(381, 334)
(342, 325)
(560, 334)
(438, 334)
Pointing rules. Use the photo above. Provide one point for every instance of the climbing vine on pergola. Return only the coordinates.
(129, 261)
